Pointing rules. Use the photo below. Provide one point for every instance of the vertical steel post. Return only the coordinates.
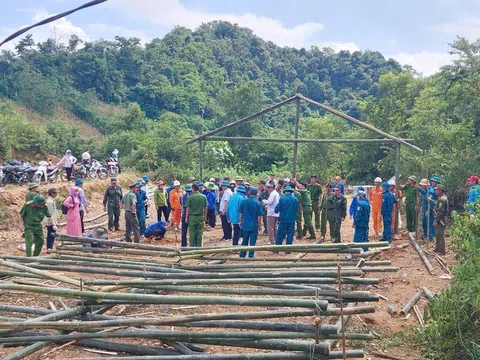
(295, 144)
(397, 187)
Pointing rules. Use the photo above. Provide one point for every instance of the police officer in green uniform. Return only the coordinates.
(441, 213)
(196, 216)
(326, 209)
(307, 210)
(32, 214)
(111, 201)
(298, 220)
(315, 193)
(339, 213)
(32, 191)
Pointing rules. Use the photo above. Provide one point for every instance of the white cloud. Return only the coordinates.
(468, 27)
(425, 62)
(170, 13)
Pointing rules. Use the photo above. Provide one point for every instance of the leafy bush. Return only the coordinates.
(453, 320)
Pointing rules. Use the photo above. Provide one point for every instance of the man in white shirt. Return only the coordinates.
(86, 157)
(226, 226)
(272, 216)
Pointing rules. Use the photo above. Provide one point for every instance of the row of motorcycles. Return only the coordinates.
(22, 172)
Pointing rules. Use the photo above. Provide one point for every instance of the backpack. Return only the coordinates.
(64, 208)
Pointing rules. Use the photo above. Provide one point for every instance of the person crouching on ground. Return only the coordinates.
(251, 218)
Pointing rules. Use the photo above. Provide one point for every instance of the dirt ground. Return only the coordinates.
(393, 335)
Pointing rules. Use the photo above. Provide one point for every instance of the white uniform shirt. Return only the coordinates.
(227, 194)
(271, 203)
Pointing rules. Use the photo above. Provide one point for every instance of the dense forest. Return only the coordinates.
(146, 100)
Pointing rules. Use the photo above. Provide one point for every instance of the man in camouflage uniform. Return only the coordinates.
(441, 213)
(326, 209)
(113, 197)
(307, 210)
(339, 213)
(31, 216)
(315, 193)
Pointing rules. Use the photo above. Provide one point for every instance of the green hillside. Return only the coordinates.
(147, 100)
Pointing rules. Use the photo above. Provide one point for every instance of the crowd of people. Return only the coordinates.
(275, 208)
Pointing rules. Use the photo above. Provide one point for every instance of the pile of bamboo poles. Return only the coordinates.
(281, 309)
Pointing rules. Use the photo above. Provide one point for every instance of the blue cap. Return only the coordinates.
(436, 179)
(385, 186)
(171, 183)
(78, 182)
(241, 189)
(146, 178)
(253, 190)
(138, 184)
(361, 188)
(188, 187)
(199, 183)
(288, 188)
(225, 183)
(361, 193)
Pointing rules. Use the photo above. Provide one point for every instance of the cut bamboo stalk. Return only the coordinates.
(428, 293)
(112, 251)
(44, 274)
(167, 299)
(385, 356)
(392, 311)
(421, 254)
(146, 283)
(418, 315)
(116, 243)
(87, 220)
(409, 305)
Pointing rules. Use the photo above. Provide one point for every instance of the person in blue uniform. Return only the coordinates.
(287, 207)
(429, 197)
(142, 200)
(387, 209)
(233, 212)
(361, 218)
(158, 230)
(251, 217)
(353, 206)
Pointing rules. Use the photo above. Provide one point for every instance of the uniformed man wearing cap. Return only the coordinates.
(196, 213)
(441, 213)
(306, 202)
(361, 218)
(326, 209)
(129, 203)
(315, 193)
(339, 214)
(32, 191)
(410, 191)
(211, 197)
(298, 223)
(31, 216)
(429, 197)
(183, 201)
(111, 203)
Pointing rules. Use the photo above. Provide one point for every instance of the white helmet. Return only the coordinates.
(377, 180)
(287, 180)
(176, 183)
(391, 182)
(69, 151)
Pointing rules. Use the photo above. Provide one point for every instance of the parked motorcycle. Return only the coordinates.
(112, 166)
(96, 170)
(45, 172)
(78, 171)
(15, 174)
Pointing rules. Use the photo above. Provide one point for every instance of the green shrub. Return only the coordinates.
(453, 320)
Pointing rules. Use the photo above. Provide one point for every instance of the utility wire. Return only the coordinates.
(50, 19)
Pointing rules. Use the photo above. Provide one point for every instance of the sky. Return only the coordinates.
(414, 32)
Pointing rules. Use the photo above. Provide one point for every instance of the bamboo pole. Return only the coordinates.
(392, 311)
(166, 299)
(295, 144)
(252, 281)
(245, 119)
(409, 305)
(428, 293)
(112, 251)
(421, 254)
(44, 274)
(302, 141)
(87, 220)
(263, 340)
